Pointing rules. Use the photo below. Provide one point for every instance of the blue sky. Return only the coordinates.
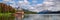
(33, 6)
(14, 2)
(1, 0)
(38, 1)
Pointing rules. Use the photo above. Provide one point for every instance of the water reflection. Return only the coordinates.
(42, 17)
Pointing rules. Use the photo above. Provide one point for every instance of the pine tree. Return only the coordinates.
(4, 8)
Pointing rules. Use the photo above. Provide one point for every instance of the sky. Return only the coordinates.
(0, 0)
(30, 3)
(34, 5)
(37, 1)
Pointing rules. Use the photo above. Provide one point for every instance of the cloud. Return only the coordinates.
(51, 5)
(36, 7)
(6, 0)
(25, 1)
(24, 4)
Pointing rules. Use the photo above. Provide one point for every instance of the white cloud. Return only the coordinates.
(11, 1)
(25, 1)
(24, 4)
(40, 7)
(7, 0)
(20, 1)
(39, 4)
(51, 5)
(54, 8)
(36, 8)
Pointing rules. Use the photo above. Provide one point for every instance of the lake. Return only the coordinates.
(42, 17)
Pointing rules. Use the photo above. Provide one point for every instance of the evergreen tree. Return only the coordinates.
(6, 8)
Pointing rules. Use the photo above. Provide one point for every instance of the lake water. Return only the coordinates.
(42, 17)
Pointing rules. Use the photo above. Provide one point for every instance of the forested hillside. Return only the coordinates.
(6, 8)
(6, 12)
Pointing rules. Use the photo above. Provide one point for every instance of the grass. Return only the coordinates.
(6, 16)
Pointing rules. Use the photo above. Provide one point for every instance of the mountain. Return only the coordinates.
(49, 12)
(29, 12)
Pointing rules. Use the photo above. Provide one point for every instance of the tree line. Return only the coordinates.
(6, 8)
